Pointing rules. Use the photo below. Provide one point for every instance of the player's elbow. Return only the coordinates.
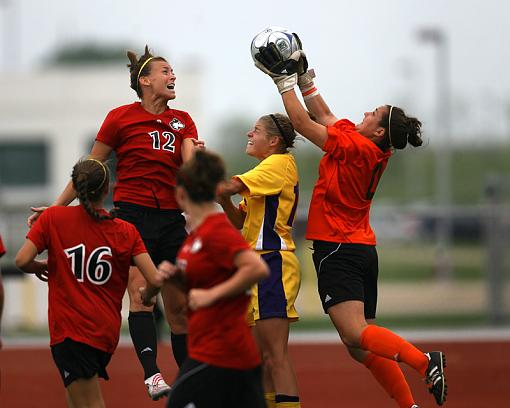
(22, 260)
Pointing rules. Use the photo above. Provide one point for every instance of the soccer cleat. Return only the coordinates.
(434, 376)
(157, 387)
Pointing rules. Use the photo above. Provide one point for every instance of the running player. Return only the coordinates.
(217, 268)
(150, 141)
(89, 256)
(266, 214)
(345, 257)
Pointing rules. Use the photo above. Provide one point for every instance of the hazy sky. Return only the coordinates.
(365, 53)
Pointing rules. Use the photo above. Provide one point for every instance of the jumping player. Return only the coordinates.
(266, 214)
(345, 257)
(150, 141)
(217, 267)
(89, 256)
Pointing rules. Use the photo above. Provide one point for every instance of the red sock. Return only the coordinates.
(390, 376)
(387, 344)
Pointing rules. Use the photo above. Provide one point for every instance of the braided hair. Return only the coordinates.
(277, 124)
(90, 179)
(140, 67)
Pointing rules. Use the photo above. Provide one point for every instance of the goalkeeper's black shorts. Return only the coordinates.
(346, 272)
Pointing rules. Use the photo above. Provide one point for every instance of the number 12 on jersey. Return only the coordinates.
(97, 270)
(168, 145)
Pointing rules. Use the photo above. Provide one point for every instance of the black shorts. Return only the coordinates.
(76, 360)
(162, 231)
(346, 272)
(204, 386)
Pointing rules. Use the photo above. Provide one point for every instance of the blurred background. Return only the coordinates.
(441, 212)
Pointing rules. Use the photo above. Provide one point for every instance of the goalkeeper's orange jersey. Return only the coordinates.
(349, 173)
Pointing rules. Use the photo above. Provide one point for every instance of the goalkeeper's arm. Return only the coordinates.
(311, 96)
(319, 108)
(313, 100)
(313, 131)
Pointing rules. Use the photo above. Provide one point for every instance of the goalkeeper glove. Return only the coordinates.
(299, 64)
(270, 61)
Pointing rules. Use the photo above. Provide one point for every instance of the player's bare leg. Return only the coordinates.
(83, 393)
(273, 335)
(174, 301)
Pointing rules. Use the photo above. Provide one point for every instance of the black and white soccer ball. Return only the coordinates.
(284, 40)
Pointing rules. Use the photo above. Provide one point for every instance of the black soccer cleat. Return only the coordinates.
(434, 376)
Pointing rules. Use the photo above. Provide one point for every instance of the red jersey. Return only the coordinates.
(88, 267)
(349, 173)
(218, 335)
(148, 150)
(2, 248)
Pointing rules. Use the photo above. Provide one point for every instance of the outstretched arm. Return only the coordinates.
(101, 152)
(318, 107)
(226, 190)
(313, 131)
(311, 96)
(189, 146)
(298, 64)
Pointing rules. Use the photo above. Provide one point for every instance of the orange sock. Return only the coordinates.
(385, 343)
(390, 376)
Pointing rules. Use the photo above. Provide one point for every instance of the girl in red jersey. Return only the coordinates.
(217, 268)
(150, 141)
(89, 256)
(345, 257)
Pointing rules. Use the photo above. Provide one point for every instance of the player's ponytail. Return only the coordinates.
(90, 179)
(400, 129)
(139, 67)
(201, 175)
(281, 126)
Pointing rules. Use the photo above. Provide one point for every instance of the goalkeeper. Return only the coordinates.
(345, 255)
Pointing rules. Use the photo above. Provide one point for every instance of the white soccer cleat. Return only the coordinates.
(157, 387)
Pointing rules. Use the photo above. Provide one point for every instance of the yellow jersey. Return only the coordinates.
(270, 202)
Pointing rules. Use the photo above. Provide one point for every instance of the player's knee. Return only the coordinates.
(350, 339)
(177, 321)
(357, 354)
(267, 362)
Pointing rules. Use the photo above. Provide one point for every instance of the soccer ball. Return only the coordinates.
(284, 40)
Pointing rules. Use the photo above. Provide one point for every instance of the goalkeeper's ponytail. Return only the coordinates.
(401, 129)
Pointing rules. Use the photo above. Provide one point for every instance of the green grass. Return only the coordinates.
(403, 322)
(417, 262)
(411, 262)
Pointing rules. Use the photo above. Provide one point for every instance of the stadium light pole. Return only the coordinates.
(436, 37)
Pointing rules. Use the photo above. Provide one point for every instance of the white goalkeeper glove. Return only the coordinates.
(299, 64)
